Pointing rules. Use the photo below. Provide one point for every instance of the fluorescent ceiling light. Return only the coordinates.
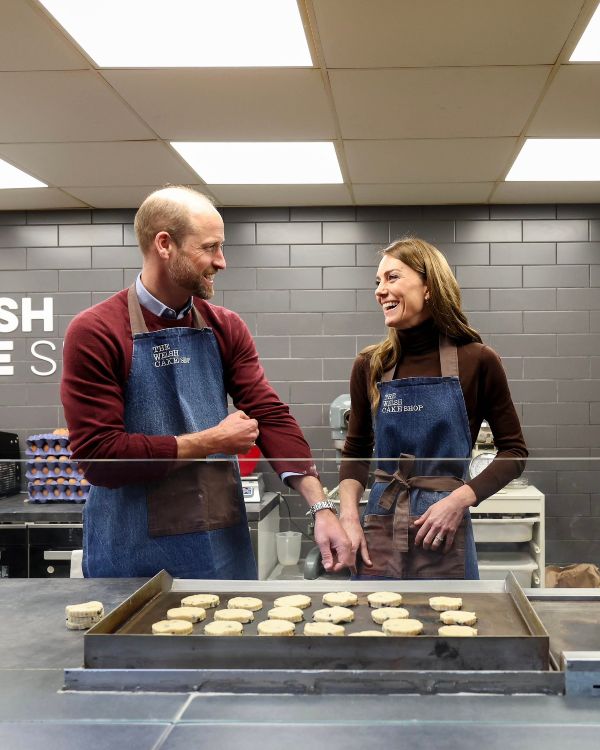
(185, 33)
(11, 177)
(588, 48)
(557, 160)
(227, 163)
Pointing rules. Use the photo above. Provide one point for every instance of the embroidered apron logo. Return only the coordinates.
(164, 356)
(394, 405)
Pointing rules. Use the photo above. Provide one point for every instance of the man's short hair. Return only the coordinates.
(167, 210)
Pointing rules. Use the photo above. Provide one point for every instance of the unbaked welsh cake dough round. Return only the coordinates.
(333, 614)
(323, 628)
(443, 603)
(384, 599)
(381, 614)
(293, 600)
(402, 627)
(206, 601)
(367, 633)
(234, 615)
(172, 627)
(340, 599)
(245, 602)
(458, 617)
(276, 627)
(291, 614)
(452, 631)
(191, 614)
(226, 628)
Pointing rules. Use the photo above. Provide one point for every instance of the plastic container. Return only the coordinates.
(248, 461)
(288, 547)
(496, 565)
(503, 529)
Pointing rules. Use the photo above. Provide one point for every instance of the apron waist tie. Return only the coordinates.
(398, 491)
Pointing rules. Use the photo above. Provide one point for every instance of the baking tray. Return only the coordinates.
(572, 621)
(511, 635)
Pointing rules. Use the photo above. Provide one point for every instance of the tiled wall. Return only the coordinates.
(302, 278)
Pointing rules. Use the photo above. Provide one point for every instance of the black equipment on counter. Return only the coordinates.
(10, 468)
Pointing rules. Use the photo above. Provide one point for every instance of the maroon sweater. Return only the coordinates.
(485, 390)
(96, 363)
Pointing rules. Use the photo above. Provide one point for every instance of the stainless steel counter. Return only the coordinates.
(36, 714)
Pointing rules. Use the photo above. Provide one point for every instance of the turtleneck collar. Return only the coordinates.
(420, 339)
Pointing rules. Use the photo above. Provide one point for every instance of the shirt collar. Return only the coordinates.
(155, 306)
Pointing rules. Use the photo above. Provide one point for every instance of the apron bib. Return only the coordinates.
(418, 417)
(192, 523)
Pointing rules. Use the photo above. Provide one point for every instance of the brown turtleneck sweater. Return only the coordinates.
(485, 390)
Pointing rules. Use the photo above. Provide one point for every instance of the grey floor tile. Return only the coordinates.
(15, 736)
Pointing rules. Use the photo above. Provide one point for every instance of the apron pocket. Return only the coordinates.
(202, 496)
(379, 532)
(430, 563)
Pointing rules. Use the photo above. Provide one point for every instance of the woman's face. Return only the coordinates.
(401, 293)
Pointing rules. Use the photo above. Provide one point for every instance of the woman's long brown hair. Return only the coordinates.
(444, 304)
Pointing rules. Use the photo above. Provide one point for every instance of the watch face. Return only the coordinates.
(480, 462)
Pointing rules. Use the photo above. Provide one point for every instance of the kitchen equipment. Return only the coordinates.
(10, 468)
(253, 487)
(288, 547)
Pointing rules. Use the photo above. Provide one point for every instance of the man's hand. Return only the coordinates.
(237, 433)
(358, 543)
(336, 551)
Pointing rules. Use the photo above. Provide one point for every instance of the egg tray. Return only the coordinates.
(510, 635)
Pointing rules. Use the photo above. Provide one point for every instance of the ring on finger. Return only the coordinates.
(438, 539)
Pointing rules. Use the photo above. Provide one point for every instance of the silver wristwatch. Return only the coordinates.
(321, 505)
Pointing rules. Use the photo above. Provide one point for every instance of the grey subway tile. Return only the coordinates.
(557, 368)
(560, 230)
(578, 252)
(594, 275)
(66, 216)
(389, 213)
(552, 413)
(59, 257)
(309, 414)
(117, 257)
(578, 436)
(556, 322)
(290, 278)
(92, 234)
(325, 300)
(129, 236)
(530, 211)
(523, 253)
(257, 301)
(569, 505)
(578, 390)
(497, 322)
(292, 369)
(368, 255)
(323, 346)
(272, 324)
(26, 236)
(365, 300)
(257, 256)
(513, 367)
(595, 321)
(533, 391)
(429, 230)
(475, 299)
(523, 299)
(288, 233)
(594, 231)
(322, 255)
(131, 274)
(578, 344)
(338, 369)
(272, 346)
(13, 258)
(240, 234)
(92, 281)
(356, 232)
(492, 276)
(578, 299)
(578, 211)
(236, 278)
(317, 392)
(240, 215)
(348, 278)
(13, 217)
(13, 282)
(488, 231)
(456, 212)
(466, 253)
(558, 276)
(113, 215)
(359, 323)
(524, 345)
(323, 213)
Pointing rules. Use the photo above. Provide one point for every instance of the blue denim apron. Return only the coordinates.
(427, 418)
(175, 387)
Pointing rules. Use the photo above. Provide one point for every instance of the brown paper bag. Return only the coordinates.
(576, 576)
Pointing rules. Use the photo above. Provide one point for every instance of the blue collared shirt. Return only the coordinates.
(155, 306)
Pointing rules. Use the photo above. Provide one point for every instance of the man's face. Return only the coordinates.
(196, 261)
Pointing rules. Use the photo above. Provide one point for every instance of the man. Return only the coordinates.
(146, 375)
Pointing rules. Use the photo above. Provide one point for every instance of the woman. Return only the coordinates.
(421, 394)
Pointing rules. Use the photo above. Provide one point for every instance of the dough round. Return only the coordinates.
(294, 600)
(333, 614)
(234, 615)
(206, 601)
(191, 614)
(443, 603)
(451, 631)
(224, 628)
(340, 598)
(172, 627)
(84, 611)
(276, 627)
(291, 614)
(402, 627)
(245, 602)
(367, 633)
(382, 614)
(458, 617)
(384, 599)
(323, 628)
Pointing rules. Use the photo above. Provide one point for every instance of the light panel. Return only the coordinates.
(557, 160)
(11, 178)
(588, 47)
(226, 163)
(185, 33)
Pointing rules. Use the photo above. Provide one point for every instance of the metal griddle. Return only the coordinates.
(511, 635)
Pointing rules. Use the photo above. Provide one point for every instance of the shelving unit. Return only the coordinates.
(510, 534)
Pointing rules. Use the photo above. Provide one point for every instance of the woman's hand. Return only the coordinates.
(353, 529)
(441, 520)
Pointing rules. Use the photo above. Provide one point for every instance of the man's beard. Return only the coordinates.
(184, 275)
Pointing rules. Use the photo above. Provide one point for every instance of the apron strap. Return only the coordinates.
(136, 317)
(448, 361)
(398, 491)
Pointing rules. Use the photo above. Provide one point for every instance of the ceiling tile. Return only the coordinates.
(29, 40)
(448, 193)
(436, 102)
(75, 105)
(571, 106)
(281, 195)
(547, 192)
(37, 198)
(405, 33)
(428, 160)
(130, 196)
(229, 104)
(99, 164)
